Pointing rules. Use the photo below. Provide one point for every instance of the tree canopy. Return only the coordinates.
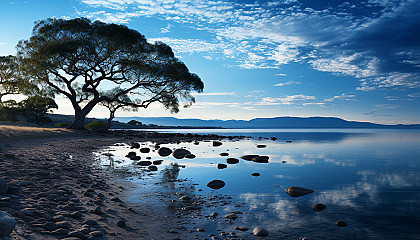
(10, 82)
(81, 60)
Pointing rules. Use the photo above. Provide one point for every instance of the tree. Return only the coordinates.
(10, 83)
(113, 106)
(36, 107)
(80, 59)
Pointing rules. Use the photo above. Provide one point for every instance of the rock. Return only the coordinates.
(232, 160)
(221, 166)
(217, 143)
(200, 230)
(135, 158)
(60, 231)
(131, 154)
(135, 145)
(157, 162)
(164, 151)
(180, 153)
(260, 232)
(50, 226)
(90, 222)
(243, 229)
(261, 159)
(153, 168)
(261, 146)
(144, 150)
(249, 157)
(3, 187)
(144, 163)
(224, 154)
(214, 215)
(98, 211)
(341, 223)
(76, 215)
(231, 216)
(121, 223)
(216, 184)
(96, 234)
(63, 224)
(319, 206)
(190, 156)
(77, 234)
(298, 191)
(255, 174)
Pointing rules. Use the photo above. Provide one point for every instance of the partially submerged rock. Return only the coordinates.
(144, 163)
(157, 162)
(255, 174)
(224, 154)
(7, 224)
(3, 187)
(261, 159)
(216, 184)
(221, 166)
(261, 146)
(164, 151)
(319, 206)
(231, 216)
(232, 160)
(260, 232)
(341, 223)
(217, 143)
(298, 191)
(180, 153)
(249, 157)
(144, 150)
(190, 156)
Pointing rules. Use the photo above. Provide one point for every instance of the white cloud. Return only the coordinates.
(288, 100)
(286, 83)
(343, 97)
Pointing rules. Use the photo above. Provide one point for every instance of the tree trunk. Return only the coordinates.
(79, 120)
(111, 116)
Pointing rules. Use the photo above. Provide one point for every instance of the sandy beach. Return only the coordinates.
(56, 192)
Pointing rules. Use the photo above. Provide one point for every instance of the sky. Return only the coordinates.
(357, 60)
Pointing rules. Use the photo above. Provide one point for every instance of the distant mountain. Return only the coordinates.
(277, 122)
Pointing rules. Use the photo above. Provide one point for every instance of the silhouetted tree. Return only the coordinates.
(36, 107)
(10, 83)
(78, 58)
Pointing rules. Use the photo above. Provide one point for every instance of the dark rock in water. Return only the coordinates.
(49, 226)
(221, 166)
(298, 191)
(13, 189)
(261, 159)
(144, 150)
(196, 143)
(243, 229)
(217, 143)
(216, 184)
(180, 153)
(255, 174)
(190, 156)
(260, 232)
(249, 157)
(319, 206)
(232, 160)
(288, 141)
(3, 187)
(232, 216)
(135, 145)
(164, 151)
(273, 138)
(131, 154)
(214, 215)
(144, 163)
(157, 162)
(341, 223)
(153, 168)
(224, 154)
(135, 158)
(121, 223)
(261, 146)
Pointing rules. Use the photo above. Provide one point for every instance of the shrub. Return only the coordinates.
(96, 125)
(61, 125)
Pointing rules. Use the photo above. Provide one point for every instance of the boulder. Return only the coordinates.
(216, 184)
(180, 153)
(298, 191)
(3, 187)
(260, 232)
(144, 150)
(221, 166)
(130, 154)
(144, 163)
(217, 143)
(7, 224)
(231, 216)
(232, 160)
(261, 159)
(319, 206)
(249, 157)
(164, 151)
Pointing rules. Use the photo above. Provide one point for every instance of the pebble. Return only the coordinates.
(260, 232)
(341, 223)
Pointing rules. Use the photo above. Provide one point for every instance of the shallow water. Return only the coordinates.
(367, 178)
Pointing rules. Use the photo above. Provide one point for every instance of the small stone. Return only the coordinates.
(180, 153)
(261, 146)
(216, 184)
(255, 174)
(249, 157)
(144, 163)
(157, 162)
(77, 234)
(121, 223)
(76, 215)
(341, 223)
(135, 158)
(217, 143)
(231, 216)
(200, 230)
(319, 206)
(190, 156)
(63, 224)
(221, 166)
(96, 234)
(131, 154)
(260, 232)
(224, 154)
(90, 222)
(243, 229)
(49, 226)
(153, 168)
(298, 191)
(144, 150)
(261, 159)
(214, 215)
(232, 161)
(60, 231)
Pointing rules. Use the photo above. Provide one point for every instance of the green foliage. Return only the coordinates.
(35, 107)
(96, 125)
(62, 125)
(77, 58)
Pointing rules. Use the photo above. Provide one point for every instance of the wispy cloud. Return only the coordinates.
(343, 97)
(288, 100)
(286, 83)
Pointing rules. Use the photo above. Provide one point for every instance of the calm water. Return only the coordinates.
(367, 178)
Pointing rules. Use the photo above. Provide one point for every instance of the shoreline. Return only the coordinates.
(62, 194)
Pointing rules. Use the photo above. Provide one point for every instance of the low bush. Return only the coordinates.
(96, 125)
(62, 125)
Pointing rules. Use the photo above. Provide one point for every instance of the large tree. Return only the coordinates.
(10, 82)
(81, 59)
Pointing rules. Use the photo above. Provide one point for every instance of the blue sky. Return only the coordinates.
(358, 60)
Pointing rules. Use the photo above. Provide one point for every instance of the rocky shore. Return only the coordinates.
(52, 189)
